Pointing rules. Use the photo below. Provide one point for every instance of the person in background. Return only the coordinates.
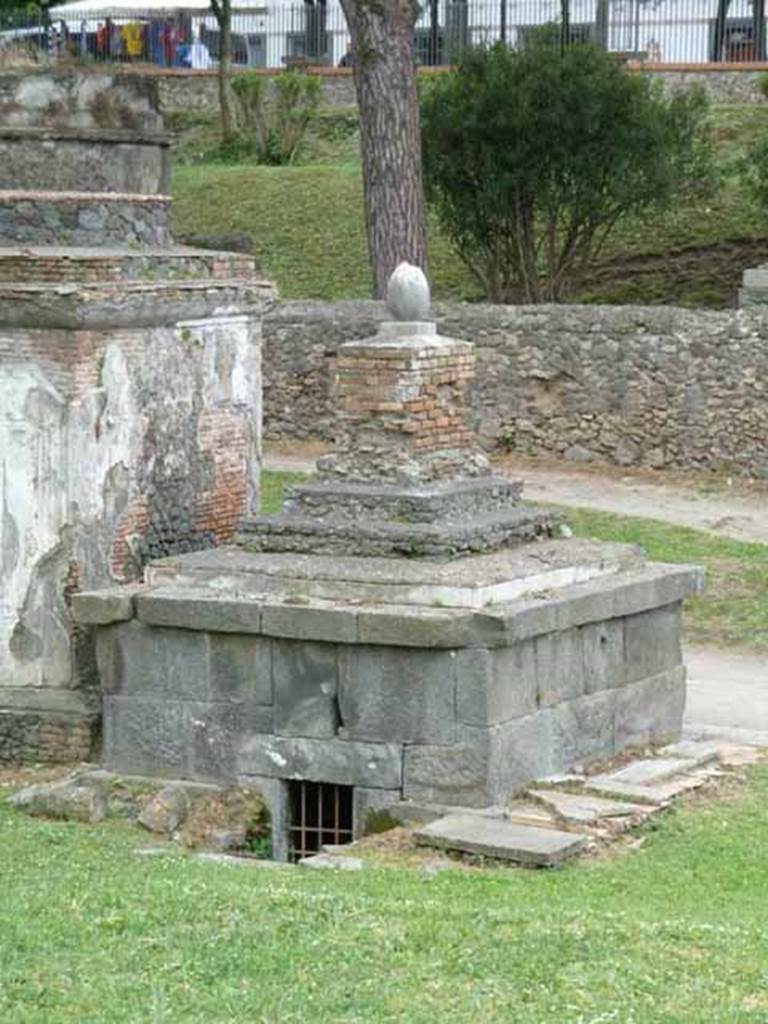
(198, 56)
(132, 40)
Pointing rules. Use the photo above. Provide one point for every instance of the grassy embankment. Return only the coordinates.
(306, 222)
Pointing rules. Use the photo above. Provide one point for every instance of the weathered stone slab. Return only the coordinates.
(450, 774)
(146, 736)
(658, 795)
(477, 581)
(559, 666)
(216, 731)
(135, 659)
(585, 808)
(701, 752)
(493, 686)
(531, 814)
(602, 645)
(628, 592)
(651, 710)
(199, 609)
(68, 799)
(583, 730)
(649, 771)
(409, 626)
(306, 684)
(240, 668)
(491, 837)
(397, 695)
(652, 642)
(347, 762)
(334, 862)
(100, 607)
(310, 622)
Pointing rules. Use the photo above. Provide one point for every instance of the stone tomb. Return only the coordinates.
(405, 627)
(130, 385)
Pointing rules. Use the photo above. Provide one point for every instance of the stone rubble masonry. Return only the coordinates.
(182, 90)
(231, 687)
(83, 218)
(83, 161)
(644, 386)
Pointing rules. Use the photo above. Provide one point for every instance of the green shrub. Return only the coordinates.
(274, 116)
(531, 157)
(753, 171)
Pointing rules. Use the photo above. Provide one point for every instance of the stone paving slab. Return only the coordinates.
(702, 752)
(532, 814)
(490, 837)
(658, 795)
(585, 808)
(470, 582)
(650, 771)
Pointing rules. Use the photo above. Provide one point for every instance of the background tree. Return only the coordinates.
(382, 33)
(532, 157)
(222, 11)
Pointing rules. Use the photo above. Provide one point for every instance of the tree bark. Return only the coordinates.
(390, 138)
(222, 10)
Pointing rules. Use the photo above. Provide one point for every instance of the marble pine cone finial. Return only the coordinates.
(408, 293)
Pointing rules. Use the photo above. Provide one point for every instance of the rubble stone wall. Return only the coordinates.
(184, 91)
(645, 386)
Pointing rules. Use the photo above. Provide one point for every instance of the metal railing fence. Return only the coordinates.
(284, 34)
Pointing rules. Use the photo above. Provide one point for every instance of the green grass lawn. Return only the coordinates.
(671, 933)
(733, 611)
(306, 222)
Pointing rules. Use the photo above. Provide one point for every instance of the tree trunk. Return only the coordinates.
(222, 10)
(390, 138)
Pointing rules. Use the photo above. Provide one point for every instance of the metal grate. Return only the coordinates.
(320, 812)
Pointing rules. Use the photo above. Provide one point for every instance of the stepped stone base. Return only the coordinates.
(455, 683)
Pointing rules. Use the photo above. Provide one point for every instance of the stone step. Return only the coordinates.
(658, 795)
(533, 814)
(91, 265)
(503, 840)
(707, 752)
(459, 500)
(650, 771)
(287, 532)
(584, 809)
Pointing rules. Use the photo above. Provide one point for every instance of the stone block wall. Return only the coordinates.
(427, 704)
(643, 386)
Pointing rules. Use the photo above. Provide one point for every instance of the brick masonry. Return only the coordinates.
(404, 398)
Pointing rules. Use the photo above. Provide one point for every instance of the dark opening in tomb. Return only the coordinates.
(319, 813)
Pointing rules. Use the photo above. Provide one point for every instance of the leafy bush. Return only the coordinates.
(531, 158)
(753, 170)
(275, 115)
